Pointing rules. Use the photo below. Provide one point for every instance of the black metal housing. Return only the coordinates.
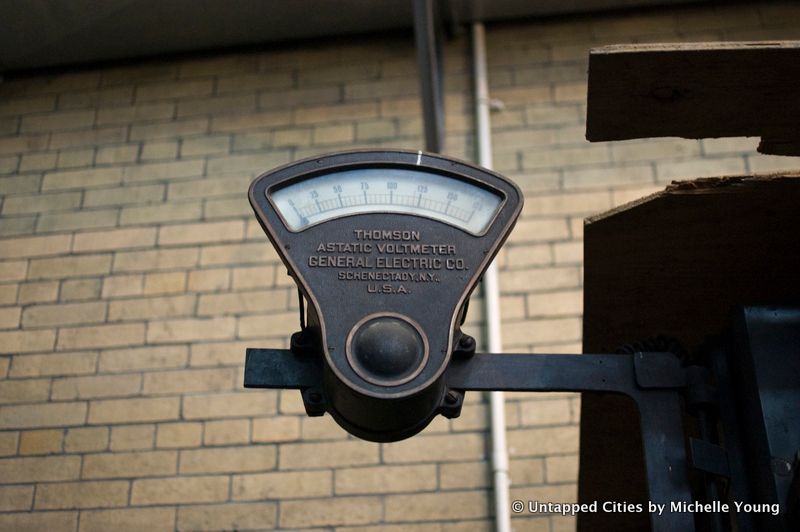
(375, 409)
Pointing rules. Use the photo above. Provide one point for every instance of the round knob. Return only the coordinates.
(387, 350)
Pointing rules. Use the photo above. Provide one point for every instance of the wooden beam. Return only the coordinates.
(697, 90)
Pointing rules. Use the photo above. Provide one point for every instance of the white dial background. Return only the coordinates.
(348, 192)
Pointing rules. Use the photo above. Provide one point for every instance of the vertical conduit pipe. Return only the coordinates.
(491, 289)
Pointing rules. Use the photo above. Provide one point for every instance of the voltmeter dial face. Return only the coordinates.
(391, 190)
(386, 246)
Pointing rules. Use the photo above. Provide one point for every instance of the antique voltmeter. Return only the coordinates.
(386, 246)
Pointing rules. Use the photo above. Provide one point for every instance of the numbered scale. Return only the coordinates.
(386, 247)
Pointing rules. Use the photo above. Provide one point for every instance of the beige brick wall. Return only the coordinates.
(132, 276)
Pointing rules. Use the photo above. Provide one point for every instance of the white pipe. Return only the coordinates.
(491, 289)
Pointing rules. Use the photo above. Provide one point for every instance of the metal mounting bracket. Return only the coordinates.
(654, 381)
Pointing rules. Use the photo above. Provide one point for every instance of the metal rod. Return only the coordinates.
(430, 74)
(491, 289)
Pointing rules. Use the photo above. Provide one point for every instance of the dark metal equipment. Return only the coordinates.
(758, 371)
(387, 246)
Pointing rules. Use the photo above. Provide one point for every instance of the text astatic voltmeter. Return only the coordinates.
(386, 247)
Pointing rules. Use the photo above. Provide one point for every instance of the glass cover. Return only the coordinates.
(321, 198)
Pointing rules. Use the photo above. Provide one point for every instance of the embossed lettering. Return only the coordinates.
(383, 234)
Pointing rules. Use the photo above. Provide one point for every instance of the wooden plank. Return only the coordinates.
(675, 264)
(697, 90)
